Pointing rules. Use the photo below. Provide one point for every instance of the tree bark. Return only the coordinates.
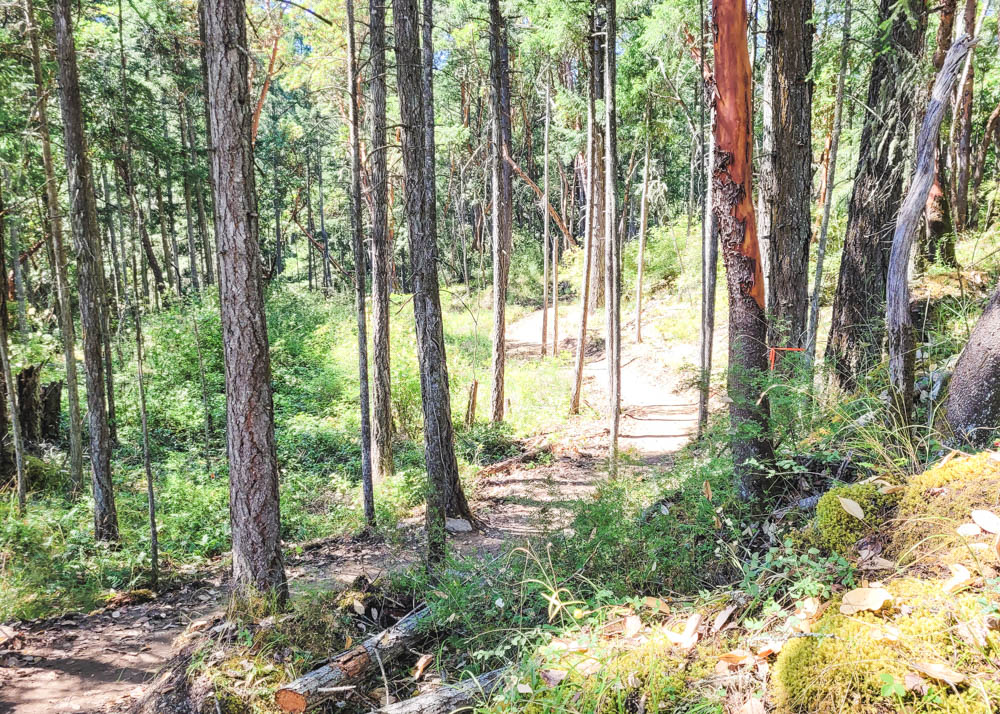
(29, 403)
(253, 468)
(784, 223)
(357, 230)
(588, 243)
(186, 168)
(545, 227)
(963, 151)
(502, 194)
(444, 491)
(902, 345)
(382, 463)
(973, 409)
(612, 244)
(643, 225)
(732, 202)
(59, 265)
(829, 183)
(83, 207)
(450, 697)
(857, 330)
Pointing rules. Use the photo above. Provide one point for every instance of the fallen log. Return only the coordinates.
(501, 466)
(323, 684)
(449, 698)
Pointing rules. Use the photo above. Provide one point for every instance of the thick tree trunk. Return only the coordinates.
(253, 467)
(829, 183)
(973, 409)
(59, 265)
(444, 491)
(501, 198)
(857, 330)
(786, 170)
(83, 207)
(382, 464)
(902, 346)
(357, 230)
(732, 202)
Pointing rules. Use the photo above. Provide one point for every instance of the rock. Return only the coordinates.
(457, 525)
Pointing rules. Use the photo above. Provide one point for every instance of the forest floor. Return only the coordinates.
(100, 661)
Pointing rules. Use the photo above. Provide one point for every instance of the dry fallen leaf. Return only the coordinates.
(891, 488)
(737, 657)
(877, 562)
(851, 507)
(359, 607)
(753, 706)
(656, 604)
(552, 677)
(706, 488)
(890, 633)
(689, 637)
(524, 688)
(633, 625)
(422, 663)
(960, 577)
(864, 599)
(940, 672)
(771, 647)
(915, 683)
(718, 523)
(969, 530)
(722, 618)
(987, 520)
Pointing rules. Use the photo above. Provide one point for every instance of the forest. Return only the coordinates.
(583, 356)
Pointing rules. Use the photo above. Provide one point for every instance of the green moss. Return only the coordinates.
(939, 500)
(839, 667)
(836, 529)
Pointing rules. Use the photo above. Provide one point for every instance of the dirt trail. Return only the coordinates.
(99, 662)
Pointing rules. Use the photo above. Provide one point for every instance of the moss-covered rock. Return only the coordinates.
(840, 666)
(939, 500)
(836, 529)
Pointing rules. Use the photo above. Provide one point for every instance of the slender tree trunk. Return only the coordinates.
(709, 273)
(174, 252)
(588, 244)
(253, 467)
(188, 189)
(830, 183)
(83, 206)
(382, 463)
(545, 227)
(963, 152)
(168, 260)
(206, 410)
(502, 198)
(902, 346)
(643, 224)
(732, 203)
(786, 170)
(327, 277)
(206, 239)
(8, 381)
(357, 229)
(15, 258)
(444, 489)
(612, 244)
(154, 549)
(857, 330)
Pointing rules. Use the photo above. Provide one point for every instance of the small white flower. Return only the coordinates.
(499, 603)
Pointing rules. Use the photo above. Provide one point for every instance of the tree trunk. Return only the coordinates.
(643, 225)
(857, 330)
(51, 410)
(186, 168)
(357, 230)
(206, 240)
(29, 404)
(15, 421)
(588, 244)
(973, 409)
(327, 276)
(732, 202)
(786, 170)
(444, 491)
(253, 468)
(382, 463)
(83, 207)
(829, 183)
(902, 346)
(59, 265)
(501, 198)
(612, 244)
(963, 151)
(459, 697)
(545, 227)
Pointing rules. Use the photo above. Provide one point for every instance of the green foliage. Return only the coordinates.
(486, 442)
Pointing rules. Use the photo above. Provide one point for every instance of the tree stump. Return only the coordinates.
(29, 403)
(51, 410)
